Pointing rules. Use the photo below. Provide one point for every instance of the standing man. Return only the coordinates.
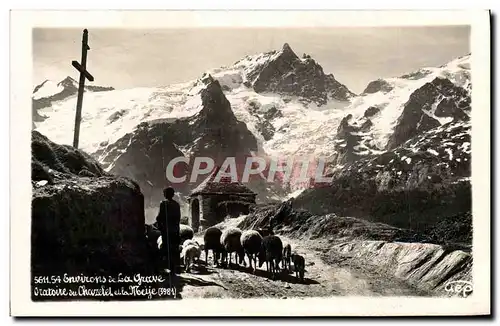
(168, 219)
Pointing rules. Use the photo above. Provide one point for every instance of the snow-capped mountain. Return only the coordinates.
(278, 105)
(282, 72)
(393, 110)
(50, 92)
(404, 152)
(214, 132)
(273, 118)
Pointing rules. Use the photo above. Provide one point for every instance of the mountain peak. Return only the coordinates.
(207, 79)
(68, 81)
(40, 86)
(285, 73)
(286, 48)
(216, 107)
(287, 53)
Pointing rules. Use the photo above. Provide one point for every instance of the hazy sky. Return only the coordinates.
(133, 57)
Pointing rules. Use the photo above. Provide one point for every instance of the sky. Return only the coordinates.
(128, 58)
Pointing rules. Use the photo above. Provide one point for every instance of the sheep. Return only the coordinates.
(184, 220)
(287, 257)
(148, 228)
(271, 253)
(190, 253)
(159, 243)
(187, 243)
(185, 233)
(212, 240)
(190, 242)
(265, 232)
(299, 265)
(152, 232)
(251, 241)
(155, 239)
(152, 235)
(230, 239)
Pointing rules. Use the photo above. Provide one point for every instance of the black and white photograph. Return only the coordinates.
(174, 163)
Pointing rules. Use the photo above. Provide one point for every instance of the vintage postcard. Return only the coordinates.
(250, 163)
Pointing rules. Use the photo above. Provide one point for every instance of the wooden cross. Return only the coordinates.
(82, 68)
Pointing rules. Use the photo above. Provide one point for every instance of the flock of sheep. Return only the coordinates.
(259, 245)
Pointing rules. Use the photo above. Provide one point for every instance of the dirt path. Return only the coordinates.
(321, 279)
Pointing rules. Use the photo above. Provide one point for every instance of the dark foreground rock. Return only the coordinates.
(84, 221)
(85, 225)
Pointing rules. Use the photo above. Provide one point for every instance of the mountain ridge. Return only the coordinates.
(285, 122)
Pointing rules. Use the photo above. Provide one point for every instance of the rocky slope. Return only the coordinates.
(406, 160)
(425, 266)
(84, 220)
(413, 186)
(391, 111)
(433, 104)
(285, 219)
(421, 260)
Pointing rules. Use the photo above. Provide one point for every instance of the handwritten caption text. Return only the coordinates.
(84, 286)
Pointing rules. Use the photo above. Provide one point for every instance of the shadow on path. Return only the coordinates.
(282, 276)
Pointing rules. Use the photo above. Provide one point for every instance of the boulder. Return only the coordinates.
(84, 220)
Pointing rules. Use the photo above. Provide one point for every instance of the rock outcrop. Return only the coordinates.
(437, 99)
(302, 224)
(353, 139)
(378, 85)
(425, 266)
(84, 220)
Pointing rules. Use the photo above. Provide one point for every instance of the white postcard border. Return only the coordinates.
(22, 23)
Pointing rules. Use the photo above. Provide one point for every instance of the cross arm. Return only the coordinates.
(82, 70)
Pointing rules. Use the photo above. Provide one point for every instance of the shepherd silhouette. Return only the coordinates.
(168, 220)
